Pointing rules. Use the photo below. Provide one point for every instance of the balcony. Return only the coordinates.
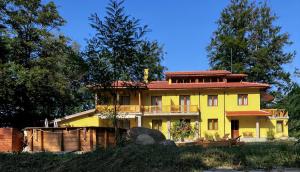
(120, 108)
(175, 109)
(277, 113)
(171, 109)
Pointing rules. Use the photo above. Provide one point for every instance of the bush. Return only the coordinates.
(181, 130)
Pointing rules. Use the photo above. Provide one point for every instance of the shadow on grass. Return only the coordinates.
(159, 158)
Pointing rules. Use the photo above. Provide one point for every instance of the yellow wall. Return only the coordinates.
(91, 121)
(227, 101)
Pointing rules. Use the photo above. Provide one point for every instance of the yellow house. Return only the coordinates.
(215, 103)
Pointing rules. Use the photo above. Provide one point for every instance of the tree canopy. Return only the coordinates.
(41, 73)
(119, 49)
(246, 31)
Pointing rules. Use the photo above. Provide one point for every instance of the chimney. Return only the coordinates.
(146, 75)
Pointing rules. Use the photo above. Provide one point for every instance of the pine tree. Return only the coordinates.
(247, 32)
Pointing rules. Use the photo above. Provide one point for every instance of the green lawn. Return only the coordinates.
(159, 158)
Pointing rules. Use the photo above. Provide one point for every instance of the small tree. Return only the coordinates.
(181, 130)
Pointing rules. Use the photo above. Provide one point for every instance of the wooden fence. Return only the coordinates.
(69, 139)
(11, 140)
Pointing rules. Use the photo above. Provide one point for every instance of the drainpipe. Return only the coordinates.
(224, 111)
(199, 123)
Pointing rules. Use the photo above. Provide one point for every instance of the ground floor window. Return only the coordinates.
(156, 124)
(212, 124)
(124, 124)
(279, 126)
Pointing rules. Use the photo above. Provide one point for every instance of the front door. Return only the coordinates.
(184, 103)
(234, 128)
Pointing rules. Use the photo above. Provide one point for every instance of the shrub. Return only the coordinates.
(270, 134)
(181, 130)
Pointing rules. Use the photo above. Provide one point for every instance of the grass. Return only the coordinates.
(160, 158)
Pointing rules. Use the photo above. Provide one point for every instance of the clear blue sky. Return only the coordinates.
(183, 27)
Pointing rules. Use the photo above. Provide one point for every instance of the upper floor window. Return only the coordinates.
(243, 99)
(212, 100)
(212, 124)
(124, 100)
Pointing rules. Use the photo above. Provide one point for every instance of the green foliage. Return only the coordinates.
(119, 49)
(181, 129)
(208, 137)
(248, 30)
(270, 134)
(41, 73)
(263, 156)
(292, 104)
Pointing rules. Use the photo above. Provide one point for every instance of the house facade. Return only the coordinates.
(215, 103)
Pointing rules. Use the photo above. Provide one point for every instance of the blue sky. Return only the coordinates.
(183, 27)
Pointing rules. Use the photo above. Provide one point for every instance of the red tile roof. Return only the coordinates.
(157, 85)
(247, 113)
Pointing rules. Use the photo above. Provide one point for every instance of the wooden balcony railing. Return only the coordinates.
(277, 113)
(171, 109)
(120, 108)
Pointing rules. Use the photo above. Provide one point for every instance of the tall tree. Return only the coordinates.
(42, 73)
(120, 51)
(247, 32)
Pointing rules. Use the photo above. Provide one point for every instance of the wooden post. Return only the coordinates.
(78, 140)
(91, 139)
(31, 144)
(105, 138)
(42, 140)
(94, 138)
(62, 141)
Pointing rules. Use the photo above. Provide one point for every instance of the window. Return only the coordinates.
(124, 100)
(156, 124)
(124, 124)
(243, 99)
(279, 126)
(212, 124)
(212, 100)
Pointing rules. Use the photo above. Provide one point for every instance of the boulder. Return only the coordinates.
(156, 135)
(167, 143)
(144, 139)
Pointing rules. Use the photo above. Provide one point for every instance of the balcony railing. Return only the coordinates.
(171, 109)
(277, 113)
(150, 109)
(120, 108)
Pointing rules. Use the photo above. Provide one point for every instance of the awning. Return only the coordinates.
(247, 113)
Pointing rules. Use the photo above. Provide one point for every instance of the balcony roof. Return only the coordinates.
(247, 113)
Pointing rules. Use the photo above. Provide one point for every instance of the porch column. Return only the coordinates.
(140, 102)
(169, 128)
(257, 128)
(197, 128)
(118, 98)
(139, 120)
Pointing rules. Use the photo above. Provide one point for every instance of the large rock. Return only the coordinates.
(167, 143)
(144, 139)
(156, 135)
